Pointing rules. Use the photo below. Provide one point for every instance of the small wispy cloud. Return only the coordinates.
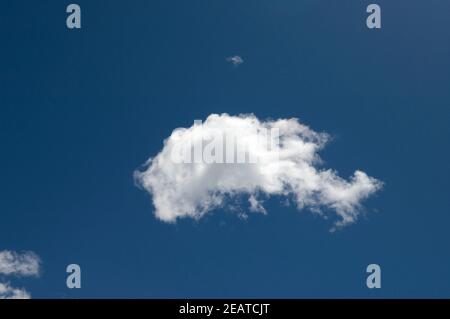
(236, 60)
(26, 264)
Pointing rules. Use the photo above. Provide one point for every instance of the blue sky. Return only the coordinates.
(80, 110)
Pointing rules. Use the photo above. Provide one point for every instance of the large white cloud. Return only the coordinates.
(291, 168)
(24, 264)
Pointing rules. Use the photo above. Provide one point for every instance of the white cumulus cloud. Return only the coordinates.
(292, 168)
(24, 264)
(8, 292)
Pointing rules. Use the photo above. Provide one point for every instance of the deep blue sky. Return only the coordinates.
(80, 110)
